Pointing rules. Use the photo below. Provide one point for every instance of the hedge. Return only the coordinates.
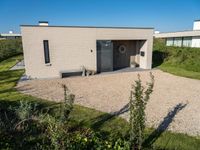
(10, 47)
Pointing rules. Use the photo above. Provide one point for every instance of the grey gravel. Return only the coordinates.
(174, 104)
(18, 66)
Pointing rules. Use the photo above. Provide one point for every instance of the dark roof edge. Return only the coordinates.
(43, 22)
(89, 27)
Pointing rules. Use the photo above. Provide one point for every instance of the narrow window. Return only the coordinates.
(46, 51)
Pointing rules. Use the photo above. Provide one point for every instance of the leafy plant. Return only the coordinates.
(10, 47)
(186, 58)
(159, 44)
(26, 109)
(67, 105)
(54, 131)
(138, 100)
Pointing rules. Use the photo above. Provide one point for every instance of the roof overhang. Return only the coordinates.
(151, 28)
(7, 34)
(178, 34)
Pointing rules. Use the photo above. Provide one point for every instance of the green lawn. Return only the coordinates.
(180, 61)
(8, 63)
(179, 71)
(107, 125)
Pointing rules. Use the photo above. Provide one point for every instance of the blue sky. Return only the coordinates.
(163, 15)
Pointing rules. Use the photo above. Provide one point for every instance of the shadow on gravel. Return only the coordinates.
(163, 125)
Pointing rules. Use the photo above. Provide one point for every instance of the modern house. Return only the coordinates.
(9, 35)
(182, 38)
(55, 51)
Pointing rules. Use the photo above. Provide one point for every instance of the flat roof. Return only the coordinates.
(188, 33)
(89, 27)
(9, 34)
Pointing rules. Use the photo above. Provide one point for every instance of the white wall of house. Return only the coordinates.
(178, 41)
(73, 47)
(187, 41)
(184, 41)
(196, 25)
(169, 41)
(183, 38)
(196, 41)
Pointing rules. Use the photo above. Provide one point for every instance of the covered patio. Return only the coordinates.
(115, 55)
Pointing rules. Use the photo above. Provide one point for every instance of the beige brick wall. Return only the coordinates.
(70, 47)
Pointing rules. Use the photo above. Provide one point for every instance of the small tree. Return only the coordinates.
(67, 105)
(138, 100)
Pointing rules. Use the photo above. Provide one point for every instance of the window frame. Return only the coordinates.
(46, 51)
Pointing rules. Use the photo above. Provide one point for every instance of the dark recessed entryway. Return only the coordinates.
(117, 54)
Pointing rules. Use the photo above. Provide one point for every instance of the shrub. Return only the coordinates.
(158, 44)
(67, 105)
(33, 129)
(182, 57)
(185, 58)
(10, 47)
(138, 100)
(26, 110)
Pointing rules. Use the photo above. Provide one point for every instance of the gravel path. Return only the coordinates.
(174, 103)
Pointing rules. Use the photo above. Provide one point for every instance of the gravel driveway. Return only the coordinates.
(174, 104)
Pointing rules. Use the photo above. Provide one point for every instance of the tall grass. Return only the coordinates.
(186, 58)
(10, 47)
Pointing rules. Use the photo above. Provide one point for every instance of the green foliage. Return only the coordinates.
(179, 71)
(86, 128)
(185, 58)
(67, 105)
(138, 100)
(26, 109)
(183, 61)
(10, 47)
(54, 132)
(8, 63)
(40, 130)
(158, 44)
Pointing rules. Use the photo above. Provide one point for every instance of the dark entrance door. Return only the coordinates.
(104, 55)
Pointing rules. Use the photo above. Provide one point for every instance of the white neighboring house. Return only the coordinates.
(182, 38)
(9, 35)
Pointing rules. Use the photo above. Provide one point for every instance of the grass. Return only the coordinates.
(81, 116)
(179, 71)
(106, 124)
(10, 47)
(6, 64)
(180, 61)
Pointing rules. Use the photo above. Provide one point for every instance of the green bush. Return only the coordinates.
(25, 127)
(33, 128)
(67, 105)
(158, 44)
(185, 58)
(182, 57)
(10, 47)
(138, 100)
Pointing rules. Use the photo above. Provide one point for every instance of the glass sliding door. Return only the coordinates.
(178, 41)
(169, 41)
(104, 55)
(187, 41)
